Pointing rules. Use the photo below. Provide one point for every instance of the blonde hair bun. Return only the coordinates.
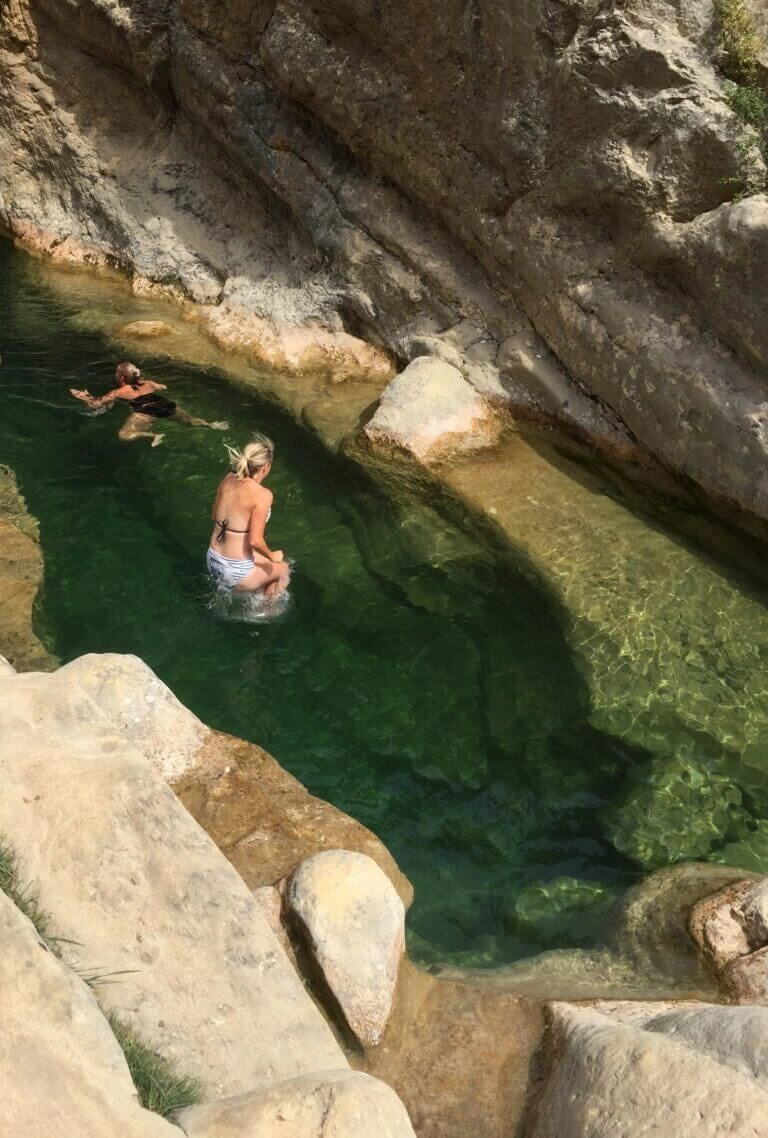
(254, 455)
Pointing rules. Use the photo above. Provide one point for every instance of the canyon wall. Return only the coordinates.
(543, 193)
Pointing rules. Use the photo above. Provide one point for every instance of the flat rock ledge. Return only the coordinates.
(730, 928)
(431, 411)
(354, 925)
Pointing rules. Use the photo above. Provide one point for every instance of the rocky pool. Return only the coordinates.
(526, 744)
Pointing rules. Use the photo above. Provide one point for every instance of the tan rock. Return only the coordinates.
(735, 1037)
(608, 1078)
(264, 820)
(63, 1072)
(746, 978)
(111, 699)
(717, 924)
(354, 925)
(21, 571)
(144, 329)
(431, 411)
(754, 908)
(331, 1104)
(130, 878)
(459, 1055)
(308, 349)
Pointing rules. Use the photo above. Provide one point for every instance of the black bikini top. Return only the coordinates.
(225, 527)
(225, 530)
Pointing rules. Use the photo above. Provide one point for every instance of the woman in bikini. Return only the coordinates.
(146, 405)
(238, 555)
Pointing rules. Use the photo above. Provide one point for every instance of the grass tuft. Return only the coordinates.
(25, 896)
(741, 40)
(742, 46)
(160, 1088)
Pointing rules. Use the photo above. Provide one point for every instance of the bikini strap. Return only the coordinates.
(222, 531)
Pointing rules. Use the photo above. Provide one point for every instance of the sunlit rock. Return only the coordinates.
(63, 1072)
(430, 410)
(144, 329)
(114, 699)
(331, 1104)
(717, 924)
(609, 1077)
(354, 924)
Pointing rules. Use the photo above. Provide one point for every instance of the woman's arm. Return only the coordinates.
(85, 397)
(256, 531)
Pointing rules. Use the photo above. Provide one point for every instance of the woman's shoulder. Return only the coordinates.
(262, 496)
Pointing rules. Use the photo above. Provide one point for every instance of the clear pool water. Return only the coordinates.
(375, 687)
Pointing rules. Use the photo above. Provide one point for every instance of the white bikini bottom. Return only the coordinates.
(227, 571)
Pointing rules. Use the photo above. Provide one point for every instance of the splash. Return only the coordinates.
(247, 608)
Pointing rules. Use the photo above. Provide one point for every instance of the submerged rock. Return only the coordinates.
(677, 810)
(21, 571)
(144, 329)
(354, 924)
(63, 1072)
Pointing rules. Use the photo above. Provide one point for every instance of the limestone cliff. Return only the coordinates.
(542, 192)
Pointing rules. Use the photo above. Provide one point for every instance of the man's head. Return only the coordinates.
(127, 373)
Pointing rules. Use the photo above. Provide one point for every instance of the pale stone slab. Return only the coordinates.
(610, 1079)
(331, 1104)
(128, 874)
(735, 1037)
(354, 923)
(62, 1072)
(117, 699)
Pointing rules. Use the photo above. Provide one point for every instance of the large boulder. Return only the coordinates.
(430, 410)
(142, 892)
(63, 1072)
(354, 925)
(735, 1037)
(332, 1104)
(115, 699)
(609, 1078)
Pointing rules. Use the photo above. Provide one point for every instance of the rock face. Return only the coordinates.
(63, 1072)
(354, 924)
(334, 1104)
(544, 189)
(609, 1078)
(431, 411)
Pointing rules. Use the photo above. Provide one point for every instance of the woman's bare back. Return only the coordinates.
(236, 499)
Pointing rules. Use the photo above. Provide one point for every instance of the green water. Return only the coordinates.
(403, 640)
